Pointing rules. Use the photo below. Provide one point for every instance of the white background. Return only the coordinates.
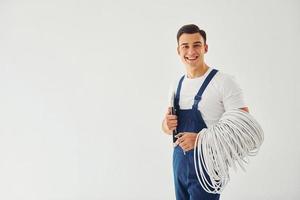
(83, 90)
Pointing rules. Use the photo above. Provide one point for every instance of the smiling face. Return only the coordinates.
(191, 49)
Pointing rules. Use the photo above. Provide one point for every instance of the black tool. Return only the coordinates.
(173, 112)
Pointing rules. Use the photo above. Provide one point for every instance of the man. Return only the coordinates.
(202, 95)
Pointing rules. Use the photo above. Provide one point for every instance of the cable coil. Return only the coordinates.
(236, 136)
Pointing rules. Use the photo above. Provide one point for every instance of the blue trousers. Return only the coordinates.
(187, 186)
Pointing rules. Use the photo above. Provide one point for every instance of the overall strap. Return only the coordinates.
(198, 96)
(176, 100)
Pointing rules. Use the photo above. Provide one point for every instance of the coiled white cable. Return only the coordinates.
(236, 136)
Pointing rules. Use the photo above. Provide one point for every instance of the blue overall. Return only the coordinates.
(187, 186)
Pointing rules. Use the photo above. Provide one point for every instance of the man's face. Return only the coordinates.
(191, 49)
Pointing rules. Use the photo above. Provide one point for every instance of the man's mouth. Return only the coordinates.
(191, 58)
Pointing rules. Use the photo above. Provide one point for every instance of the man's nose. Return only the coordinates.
(191, 51)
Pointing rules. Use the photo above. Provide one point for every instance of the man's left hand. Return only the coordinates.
(186, 140)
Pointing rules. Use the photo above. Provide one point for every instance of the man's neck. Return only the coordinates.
(194, 72)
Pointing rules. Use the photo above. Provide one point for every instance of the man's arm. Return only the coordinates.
(187, 139)
(169, 123)
(165, 128)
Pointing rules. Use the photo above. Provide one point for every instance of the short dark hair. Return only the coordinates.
(190, 29)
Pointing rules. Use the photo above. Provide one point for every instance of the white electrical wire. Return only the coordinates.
(236, 136)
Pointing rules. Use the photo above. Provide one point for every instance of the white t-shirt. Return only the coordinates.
(221, 94)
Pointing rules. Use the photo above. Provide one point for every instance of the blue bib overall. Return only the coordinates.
(187, 186)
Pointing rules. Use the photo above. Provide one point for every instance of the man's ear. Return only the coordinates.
(206, 48)
(178, 50)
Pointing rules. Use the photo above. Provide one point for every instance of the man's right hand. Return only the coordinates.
(170, 122)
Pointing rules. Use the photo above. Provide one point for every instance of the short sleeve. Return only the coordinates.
(170, 94)
(233, 97)
(172, 90)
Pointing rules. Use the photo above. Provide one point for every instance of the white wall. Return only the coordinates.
(83, 89)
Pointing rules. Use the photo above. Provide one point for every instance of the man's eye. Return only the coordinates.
(185, 47)
(197, 45)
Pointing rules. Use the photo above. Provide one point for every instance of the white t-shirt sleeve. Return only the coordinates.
(232, 94)
(171, 92)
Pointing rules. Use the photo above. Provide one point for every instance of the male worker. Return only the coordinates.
(202, 95)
